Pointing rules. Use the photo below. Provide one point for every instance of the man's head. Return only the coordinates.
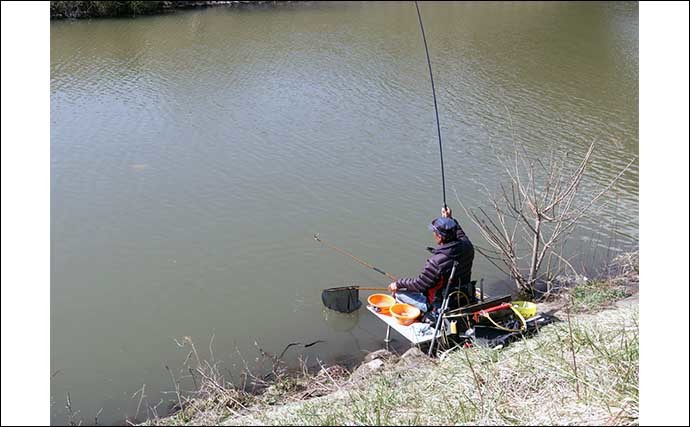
(444, 229)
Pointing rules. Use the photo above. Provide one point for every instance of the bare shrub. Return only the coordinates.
(532, 214)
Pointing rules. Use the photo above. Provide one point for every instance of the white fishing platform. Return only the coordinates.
(417, 333)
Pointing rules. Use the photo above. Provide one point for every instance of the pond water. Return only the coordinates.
(195, 154)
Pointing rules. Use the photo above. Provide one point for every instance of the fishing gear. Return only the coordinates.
(444, 307)
(345, 299)
(433, 90)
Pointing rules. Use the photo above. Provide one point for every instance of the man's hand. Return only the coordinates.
(446, 212)
(393, 287)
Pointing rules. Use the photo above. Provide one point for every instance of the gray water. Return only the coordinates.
(194, 155)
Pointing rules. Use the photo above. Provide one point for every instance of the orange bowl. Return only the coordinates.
(405, 314)
(381, 302)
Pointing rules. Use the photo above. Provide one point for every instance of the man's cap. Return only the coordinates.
(446, 227)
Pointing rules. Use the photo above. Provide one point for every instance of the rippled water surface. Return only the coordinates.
(194, 155)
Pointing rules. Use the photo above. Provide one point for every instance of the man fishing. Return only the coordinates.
(425, 291)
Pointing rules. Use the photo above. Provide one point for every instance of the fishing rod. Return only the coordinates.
(433, 90)
(361, 261)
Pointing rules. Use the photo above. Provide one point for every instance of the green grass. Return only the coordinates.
(595, 294)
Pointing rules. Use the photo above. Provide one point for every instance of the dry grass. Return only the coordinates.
(584, 371)
(215, 401)
(620, 280)
(625, 269)
(533, 382)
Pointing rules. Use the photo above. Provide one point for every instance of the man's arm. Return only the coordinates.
(427, 279)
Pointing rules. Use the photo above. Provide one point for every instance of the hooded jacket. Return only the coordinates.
(438, 267)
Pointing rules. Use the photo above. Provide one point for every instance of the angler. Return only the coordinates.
(424, 291)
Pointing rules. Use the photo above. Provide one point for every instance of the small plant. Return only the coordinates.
(595, 294)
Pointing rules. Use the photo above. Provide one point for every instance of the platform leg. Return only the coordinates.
(388, 334)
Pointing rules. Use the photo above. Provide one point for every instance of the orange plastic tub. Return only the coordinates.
(381, 302)
(405, 314)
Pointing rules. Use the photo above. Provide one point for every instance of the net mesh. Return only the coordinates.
(344, 299)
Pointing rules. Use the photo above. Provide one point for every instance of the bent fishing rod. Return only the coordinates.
(361, 261)
(433, 91)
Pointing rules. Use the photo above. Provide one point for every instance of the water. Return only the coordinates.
(194, 155)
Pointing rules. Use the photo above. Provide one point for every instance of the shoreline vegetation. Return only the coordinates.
(582, 369)
(111, 9)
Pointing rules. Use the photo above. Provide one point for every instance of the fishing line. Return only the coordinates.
(433, 90)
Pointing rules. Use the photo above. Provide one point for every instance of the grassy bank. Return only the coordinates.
(104, 9)
(582, 370)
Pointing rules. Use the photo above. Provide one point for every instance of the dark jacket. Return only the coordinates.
(437, 269)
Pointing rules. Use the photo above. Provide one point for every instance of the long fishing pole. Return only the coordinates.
(359, 260)
(433, 90)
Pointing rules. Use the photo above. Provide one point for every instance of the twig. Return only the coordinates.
(210, 347)
(329, 376)
(176, 386)
(68, 405)
(572, 350)
(476, 381)
(95, 420)
(141, 398)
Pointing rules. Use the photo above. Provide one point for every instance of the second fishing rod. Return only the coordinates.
(433, 91)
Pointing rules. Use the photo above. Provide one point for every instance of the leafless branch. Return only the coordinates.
(533, 213)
